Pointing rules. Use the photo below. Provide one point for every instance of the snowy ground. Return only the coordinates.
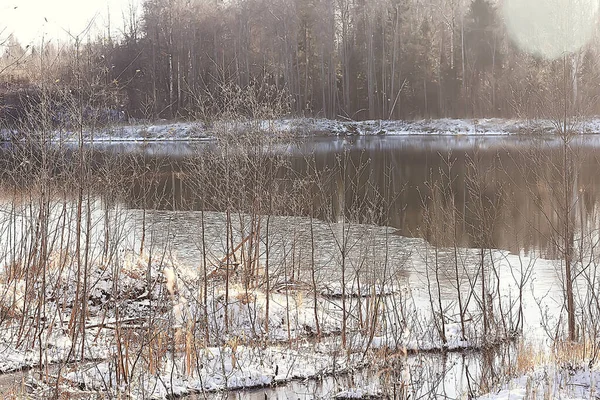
(122, 312)
(162, 330)
(419, 127)
(564, 382)
(198, 130)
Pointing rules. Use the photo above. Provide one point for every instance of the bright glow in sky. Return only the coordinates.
(30, 20)
(550, 28)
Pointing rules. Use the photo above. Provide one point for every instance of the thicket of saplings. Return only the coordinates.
(285, 257)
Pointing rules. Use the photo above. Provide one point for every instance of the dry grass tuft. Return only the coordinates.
(529, 356)
(572, 353)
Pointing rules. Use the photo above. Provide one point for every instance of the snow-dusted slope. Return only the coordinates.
(487, 126)
(303, 127)
(140, 132)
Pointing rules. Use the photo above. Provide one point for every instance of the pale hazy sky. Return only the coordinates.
(551, 28)
(29, 20)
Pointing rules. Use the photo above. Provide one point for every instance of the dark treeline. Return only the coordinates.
(356, 59)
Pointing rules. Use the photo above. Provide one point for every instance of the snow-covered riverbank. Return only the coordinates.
(566, 382)
(304, 127)
(160, 329)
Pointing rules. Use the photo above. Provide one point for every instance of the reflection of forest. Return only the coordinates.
(509, 191)
(503, 193)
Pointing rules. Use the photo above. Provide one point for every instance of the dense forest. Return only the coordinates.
(347, 59)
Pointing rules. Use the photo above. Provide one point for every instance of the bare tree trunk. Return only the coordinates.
(313, 278)
(267, 277)
(568, 188)
(464, 72)
(568, 244)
